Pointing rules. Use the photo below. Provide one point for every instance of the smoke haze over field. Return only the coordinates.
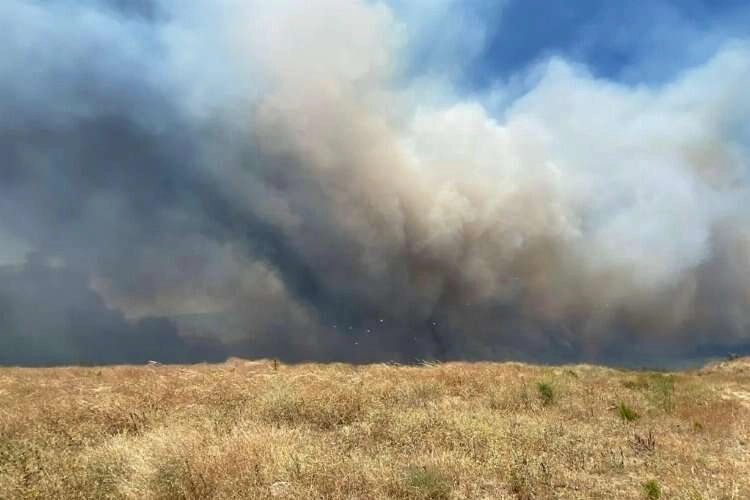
(355, 180)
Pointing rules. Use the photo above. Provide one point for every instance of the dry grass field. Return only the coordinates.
(265, 430)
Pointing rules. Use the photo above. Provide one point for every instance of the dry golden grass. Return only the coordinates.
(257, 430)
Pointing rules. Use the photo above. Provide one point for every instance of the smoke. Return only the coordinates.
(281, 178)
(51, 316)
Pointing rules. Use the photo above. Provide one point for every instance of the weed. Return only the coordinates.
(639, 383)
(428, 483)
(627, 413)
(523, 398)
(169, 478)
(420, 393)
(497, 401)
(529, 480)
(520, 481)
(651, 490)
(645, 443)
(281, 405)
(662, 391)
(546, 393)
(101, 478)
(326, 410)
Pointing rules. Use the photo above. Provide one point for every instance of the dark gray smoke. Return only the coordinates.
(261, 174)
(51, 316)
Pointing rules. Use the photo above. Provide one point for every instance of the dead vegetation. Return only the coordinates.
(439, 431)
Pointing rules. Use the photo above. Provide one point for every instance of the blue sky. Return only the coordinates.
(629, 41)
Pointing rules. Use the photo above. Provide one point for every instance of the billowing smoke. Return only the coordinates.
(281, 179)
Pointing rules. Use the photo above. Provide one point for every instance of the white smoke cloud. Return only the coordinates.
(578, 211)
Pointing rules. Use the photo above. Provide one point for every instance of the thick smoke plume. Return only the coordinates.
(275, 177)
